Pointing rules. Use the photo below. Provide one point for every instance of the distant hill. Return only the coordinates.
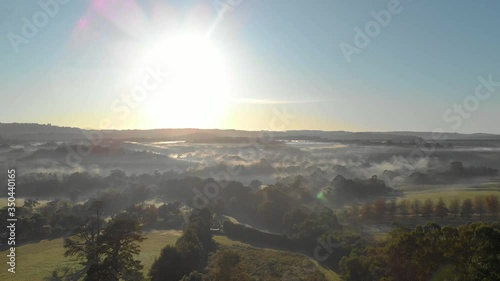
(39, 132)
(450, 136)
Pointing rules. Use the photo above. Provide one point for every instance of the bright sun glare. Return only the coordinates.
(197, 90)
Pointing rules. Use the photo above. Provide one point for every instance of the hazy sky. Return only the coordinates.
(152, 63)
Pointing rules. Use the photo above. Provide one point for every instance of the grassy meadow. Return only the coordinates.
(449, 192)
(37, 261)
(260, 262)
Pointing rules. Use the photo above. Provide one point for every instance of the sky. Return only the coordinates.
(252, 64)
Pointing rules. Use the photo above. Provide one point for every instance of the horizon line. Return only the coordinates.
(243, 130)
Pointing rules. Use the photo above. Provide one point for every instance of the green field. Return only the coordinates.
(36, 261)
(450, 191)
(294, 261)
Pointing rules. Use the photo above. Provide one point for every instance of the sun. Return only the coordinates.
(197, 90)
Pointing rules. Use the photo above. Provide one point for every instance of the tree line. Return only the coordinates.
(59, 218)
(480, 206)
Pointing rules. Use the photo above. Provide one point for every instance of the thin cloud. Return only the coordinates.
(267, 101)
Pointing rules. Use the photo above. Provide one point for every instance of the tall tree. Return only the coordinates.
(107, 254)
(454, 207)
(428, 208)
(492, 204)
(120, 241)
(190, 252)
(416, 207)
(403, 207)
(440, 210)
(466, 208)
(169, 263)
(84, 242)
